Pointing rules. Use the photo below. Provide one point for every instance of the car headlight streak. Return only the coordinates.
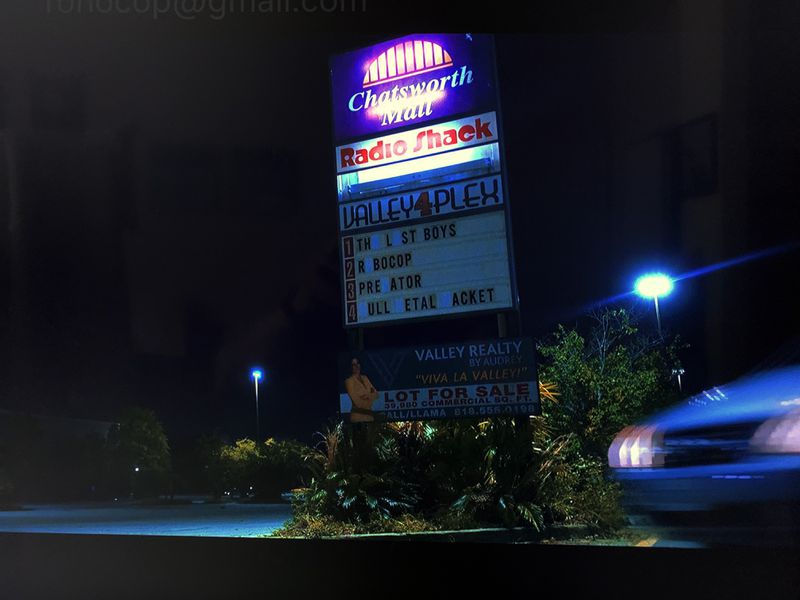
(637, 447)
(778, 435)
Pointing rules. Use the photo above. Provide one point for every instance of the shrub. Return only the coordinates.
(264, 470)
(138, 455)
(504, 471)
(608, 377)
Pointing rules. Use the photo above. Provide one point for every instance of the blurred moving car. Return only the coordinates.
(730, 454)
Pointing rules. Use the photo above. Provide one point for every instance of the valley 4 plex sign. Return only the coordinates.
(423, 215)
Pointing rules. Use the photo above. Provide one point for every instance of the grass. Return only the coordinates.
(327, 527)
(623, 537)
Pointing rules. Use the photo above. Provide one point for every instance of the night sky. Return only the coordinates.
(167, 195)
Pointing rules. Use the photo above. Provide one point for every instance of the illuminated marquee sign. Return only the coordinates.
(423, 221)
(460, 198)
(437, 267)
(409, 81)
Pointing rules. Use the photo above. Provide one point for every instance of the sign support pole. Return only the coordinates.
(502, 325)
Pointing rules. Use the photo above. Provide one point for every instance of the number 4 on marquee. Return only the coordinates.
(423, 205)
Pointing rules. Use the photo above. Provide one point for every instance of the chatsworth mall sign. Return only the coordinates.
(424, 224)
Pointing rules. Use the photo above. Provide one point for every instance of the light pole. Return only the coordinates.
(678, 373)
(134, 481)
(655, 286)
(257, 374)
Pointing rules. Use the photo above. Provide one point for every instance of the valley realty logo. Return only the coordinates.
(385, 98)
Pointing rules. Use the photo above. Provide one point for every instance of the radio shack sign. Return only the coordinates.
(416, 143)
(423, 215)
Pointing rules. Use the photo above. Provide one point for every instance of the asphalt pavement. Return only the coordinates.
(196, 518)
(191, 519)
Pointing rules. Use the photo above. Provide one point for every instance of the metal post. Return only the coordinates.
(658, 315)
(258, 424)
(502, 325)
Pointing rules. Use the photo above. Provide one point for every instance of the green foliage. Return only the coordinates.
(263, 471)
(573, 487)
(608, 375)
(239, 465)
(607, 378)
(357, 498)
(282, 467)
(307, 526)
(138, 442)
(507, 488)
(467, 473)
(449, 474)
(355, 479)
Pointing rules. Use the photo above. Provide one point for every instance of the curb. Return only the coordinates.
(515, 535)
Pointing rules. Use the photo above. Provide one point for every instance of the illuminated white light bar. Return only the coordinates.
(428, 163)
(442, 168)
(451, 165)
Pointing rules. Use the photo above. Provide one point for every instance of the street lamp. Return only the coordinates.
(256, 375)
(134, 480)
(655, 286)
(678, 373)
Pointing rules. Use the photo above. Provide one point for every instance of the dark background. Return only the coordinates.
(167, 196)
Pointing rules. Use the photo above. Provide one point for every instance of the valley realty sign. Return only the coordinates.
(469, 379)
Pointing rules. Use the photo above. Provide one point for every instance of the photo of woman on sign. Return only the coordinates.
(362, 394)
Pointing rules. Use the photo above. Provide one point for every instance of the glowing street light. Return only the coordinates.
(655, 286)
(678, 373)
(257, 375)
